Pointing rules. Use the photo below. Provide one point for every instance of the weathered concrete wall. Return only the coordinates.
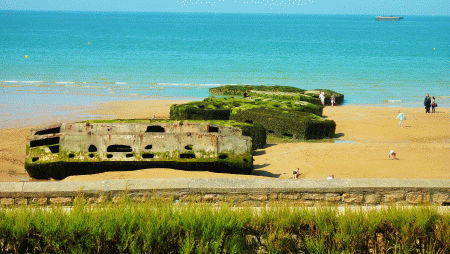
(67, 149)
(365, 192)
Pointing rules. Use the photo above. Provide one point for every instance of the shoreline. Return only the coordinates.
(364, 136)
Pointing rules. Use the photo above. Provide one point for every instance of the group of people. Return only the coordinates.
(430, 102)
(322, 98)
(297, 174)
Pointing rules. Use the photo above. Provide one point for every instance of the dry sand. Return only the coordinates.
(364, 137)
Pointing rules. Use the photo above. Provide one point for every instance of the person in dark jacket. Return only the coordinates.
(427, 103)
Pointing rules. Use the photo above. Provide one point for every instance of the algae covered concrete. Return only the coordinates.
(98, 146)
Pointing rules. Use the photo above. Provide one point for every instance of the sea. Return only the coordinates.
(52, 61)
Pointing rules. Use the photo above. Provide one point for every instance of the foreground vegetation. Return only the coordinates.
(160, 227)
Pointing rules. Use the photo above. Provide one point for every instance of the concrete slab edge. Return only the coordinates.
(219, 186)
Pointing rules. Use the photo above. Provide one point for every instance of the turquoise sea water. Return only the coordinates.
(75, 58)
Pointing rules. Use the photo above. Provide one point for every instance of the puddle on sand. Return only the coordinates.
(344, 141)
(21, 178)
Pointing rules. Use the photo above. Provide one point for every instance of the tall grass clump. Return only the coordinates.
(159, 226)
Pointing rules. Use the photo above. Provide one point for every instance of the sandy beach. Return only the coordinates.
(364, 137)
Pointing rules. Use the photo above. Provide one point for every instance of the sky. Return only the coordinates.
(375, 7)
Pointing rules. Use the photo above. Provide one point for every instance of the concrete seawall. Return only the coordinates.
(365, 192)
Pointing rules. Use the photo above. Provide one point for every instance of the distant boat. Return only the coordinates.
(388, 18)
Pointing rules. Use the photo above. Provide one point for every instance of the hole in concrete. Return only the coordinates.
(148, 147)
(118, 148)
(287, 135)
(249, 121)
(129, 155)
(109, 156)
(45, 142)
(223, 156)
(155, 128)
(92, 149)
(148, 156)
(71, 156)
(35, 159)
(54, 149)
(188, 147)
(213, 129)
(187, 156)
(49, 131)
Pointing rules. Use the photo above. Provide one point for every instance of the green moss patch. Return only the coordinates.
(291, 124)
(242, 89)
(213, 108)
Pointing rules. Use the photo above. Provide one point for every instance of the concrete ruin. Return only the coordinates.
(91, 147)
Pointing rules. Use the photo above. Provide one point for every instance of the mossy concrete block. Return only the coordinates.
(373, 199)
(7, 201)
(61, 200)
(39, 201)
(258, 197)
(353, 198)
(21, 201)
(441, 197)
(394, 197)
(212, 197)
(312, 196)
(414, 198)
(235, 197)
(10, 189)
(284, 196)
(332, 197)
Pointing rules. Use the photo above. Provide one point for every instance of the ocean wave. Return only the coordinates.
(32, 82)
(392, 101)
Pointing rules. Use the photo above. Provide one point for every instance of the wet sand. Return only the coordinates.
(364, 137)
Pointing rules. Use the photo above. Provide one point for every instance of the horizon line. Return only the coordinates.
(204, 12)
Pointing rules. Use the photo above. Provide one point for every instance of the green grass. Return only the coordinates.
(159, 226)
(272, 139)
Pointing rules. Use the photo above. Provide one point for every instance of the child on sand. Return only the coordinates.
(296, 173)
(392, 155)
(402, 117)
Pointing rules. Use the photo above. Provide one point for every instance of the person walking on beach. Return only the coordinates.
(322, 98)
(296, 173)
(332, 99)
(427, 103)
(433, 104)
(402, 117)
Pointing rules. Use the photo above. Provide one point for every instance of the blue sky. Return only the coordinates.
(376, 7)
